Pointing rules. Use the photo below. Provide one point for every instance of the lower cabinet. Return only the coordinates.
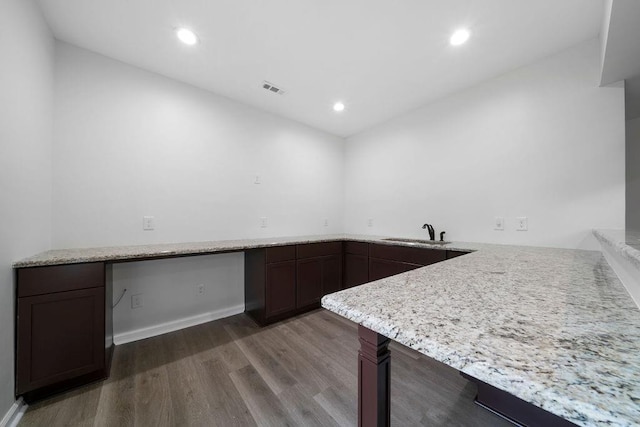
(389, 260)
(381, 268)
(320, 274)
(280, 288)
(63, 328)
(356, 263)
(286, 280)
(332, 274)
(309, 281)
(283, 281)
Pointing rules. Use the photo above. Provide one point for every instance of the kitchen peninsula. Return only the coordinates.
(553, 327)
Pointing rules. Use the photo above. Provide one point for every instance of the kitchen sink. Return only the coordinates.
(417, 241)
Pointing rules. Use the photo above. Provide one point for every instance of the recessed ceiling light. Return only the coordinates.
(459, 37)
(338, 106)
(187, 36)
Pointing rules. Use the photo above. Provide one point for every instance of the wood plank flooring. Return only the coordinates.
(300, 372)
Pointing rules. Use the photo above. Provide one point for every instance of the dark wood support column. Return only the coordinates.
(374, 379)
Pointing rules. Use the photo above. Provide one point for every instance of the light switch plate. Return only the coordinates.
(148, 223)
(522, 223)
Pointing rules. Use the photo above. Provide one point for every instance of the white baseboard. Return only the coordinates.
(14, 414)
(175, 325)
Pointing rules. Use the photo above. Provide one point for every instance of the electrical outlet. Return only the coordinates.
(499, 223)
(326, 222)
(257, 179)
(148, 223)
(522, 223)
(200, 290)
(263, 222)
(136, 301)
(370, 222)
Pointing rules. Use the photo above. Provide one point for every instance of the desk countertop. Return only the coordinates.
(167, 250)
(554, 327)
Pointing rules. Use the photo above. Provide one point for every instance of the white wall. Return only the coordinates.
(129, 143)
(26, 101)
(633, 175)
(543, 141)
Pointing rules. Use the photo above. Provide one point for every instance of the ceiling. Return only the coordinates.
(381, 58)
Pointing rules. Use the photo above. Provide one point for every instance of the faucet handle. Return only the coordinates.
(442, 236)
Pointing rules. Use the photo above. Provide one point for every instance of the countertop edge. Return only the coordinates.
(609, 238)
(170, 250)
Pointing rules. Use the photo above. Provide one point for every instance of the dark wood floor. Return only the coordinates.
(300, 372)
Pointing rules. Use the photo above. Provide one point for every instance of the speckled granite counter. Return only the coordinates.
(626, 243)
(165, 250)
(553, 327)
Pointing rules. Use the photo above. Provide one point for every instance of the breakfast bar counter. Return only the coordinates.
(552, 327)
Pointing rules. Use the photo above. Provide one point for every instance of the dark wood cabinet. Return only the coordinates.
(280, 288)
(381, 268)
(356, 263)
(319, 271)
(453, 254)
(283, 281)
(63, 328)
(332, 274)
(388, 260)
(406, 254)
(309, 283)
(270, 282)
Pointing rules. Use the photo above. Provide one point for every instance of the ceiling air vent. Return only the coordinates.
(272, 88)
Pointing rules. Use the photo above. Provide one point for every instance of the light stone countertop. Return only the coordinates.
(554, 327)
(164, 250)
(625, 243)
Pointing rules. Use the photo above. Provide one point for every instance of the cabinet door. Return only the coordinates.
(331, 274)
(280, 288)
(381, 268)
(309, 281)
(356, 270)
(60, 336)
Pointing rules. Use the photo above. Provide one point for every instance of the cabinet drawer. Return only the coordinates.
(319, 249)
(356, 248)
(281, 253)
(59, 278)
(405, 254)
